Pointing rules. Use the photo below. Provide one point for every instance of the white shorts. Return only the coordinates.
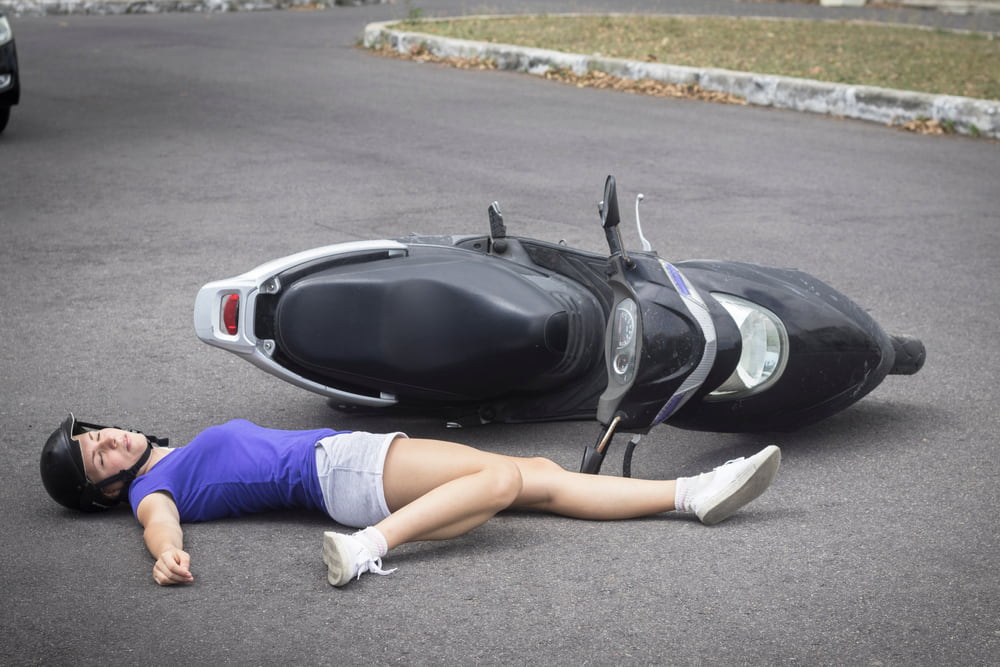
(349, 466)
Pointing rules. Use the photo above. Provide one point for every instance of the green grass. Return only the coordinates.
(931, 61)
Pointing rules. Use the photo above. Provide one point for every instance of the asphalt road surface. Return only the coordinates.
(154, 153)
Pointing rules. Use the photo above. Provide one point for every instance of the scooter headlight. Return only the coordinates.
(764, 353)
(624, 341)
(6, 34)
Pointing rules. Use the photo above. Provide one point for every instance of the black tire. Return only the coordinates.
(910, 355)
(4, 117)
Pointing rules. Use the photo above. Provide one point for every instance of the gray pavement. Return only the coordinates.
(154, 153)
(891, 107)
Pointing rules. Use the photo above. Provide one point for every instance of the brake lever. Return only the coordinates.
(646, 245)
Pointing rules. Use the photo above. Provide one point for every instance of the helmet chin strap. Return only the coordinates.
(130, 474)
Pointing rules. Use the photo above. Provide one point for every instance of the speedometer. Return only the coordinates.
(624, 327)
(624, 342)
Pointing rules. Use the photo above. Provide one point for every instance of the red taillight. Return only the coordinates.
(231, 313)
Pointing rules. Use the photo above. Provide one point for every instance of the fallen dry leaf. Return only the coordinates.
(926, 126)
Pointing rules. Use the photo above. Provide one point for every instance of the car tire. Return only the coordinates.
(4, 117)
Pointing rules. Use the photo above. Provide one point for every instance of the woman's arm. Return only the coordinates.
(164, 538)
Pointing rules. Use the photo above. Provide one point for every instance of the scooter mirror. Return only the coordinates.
(610, 219)
(609, 207)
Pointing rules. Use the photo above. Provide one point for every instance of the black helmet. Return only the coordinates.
(63, 473)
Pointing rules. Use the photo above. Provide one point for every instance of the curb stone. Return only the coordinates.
(967, 115)
(956, 6)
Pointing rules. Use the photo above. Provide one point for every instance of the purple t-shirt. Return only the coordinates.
(237, 468)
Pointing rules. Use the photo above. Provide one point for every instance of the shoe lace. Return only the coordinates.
(731, 461)
(373, 565)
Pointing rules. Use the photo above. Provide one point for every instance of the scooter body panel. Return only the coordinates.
(837, 354)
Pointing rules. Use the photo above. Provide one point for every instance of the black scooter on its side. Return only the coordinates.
(495, 328)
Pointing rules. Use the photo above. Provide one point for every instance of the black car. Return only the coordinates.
(10, 86)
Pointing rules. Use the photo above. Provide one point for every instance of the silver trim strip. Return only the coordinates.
(699, 311)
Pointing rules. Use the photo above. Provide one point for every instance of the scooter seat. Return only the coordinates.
(444, 323)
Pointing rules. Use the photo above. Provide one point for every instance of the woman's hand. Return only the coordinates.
(173, 567)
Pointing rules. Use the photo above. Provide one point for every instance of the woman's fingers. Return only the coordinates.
(172, 567)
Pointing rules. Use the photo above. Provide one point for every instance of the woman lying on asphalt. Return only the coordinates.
(398, 489)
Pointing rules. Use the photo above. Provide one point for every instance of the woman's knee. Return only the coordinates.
(540, 477)
(504, 478)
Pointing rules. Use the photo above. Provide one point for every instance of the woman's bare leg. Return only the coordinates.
(438, 490)
(548, 487)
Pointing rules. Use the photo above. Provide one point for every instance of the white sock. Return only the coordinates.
(373, 540)
(680, 494)
(685, 488)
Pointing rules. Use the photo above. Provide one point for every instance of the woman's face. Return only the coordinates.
(109, 451)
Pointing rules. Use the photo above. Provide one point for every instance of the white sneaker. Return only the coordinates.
(347, 558)
(716, 495)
